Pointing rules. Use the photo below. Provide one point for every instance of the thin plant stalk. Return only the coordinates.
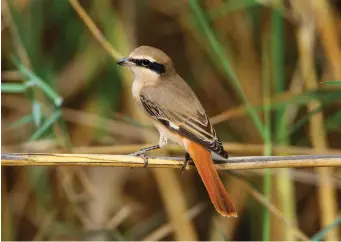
(266, 135)
(218, 51)
(285, 190)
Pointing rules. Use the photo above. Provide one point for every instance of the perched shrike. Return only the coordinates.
(178, 115)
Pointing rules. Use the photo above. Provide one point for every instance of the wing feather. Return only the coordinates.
(179, 110)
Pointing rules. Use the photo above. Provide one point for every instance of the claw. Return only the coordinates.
(141, 152)
(183, 168)
(145, 160)
(142, 155)
(187, 158)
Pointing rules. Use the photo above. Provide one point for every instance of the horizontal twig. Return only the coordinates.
(233, 163)
(231, 148)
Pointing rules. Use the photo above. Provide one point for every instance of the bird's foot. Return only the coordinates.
(141, 155)
(187, 159)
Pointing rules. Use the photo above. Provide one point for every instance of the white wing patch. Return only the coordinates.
(174, 126)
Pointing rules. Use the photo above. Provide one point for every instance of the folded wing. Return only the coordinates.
(177, 108)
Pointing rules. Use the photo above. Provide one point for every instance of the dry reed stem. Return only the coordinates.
(18, 45)
(306, 44)
(94, 30)
(220, 229)
(240, 50)
(184, 229)
(21, 6)
(44, 227)
(92, 120)
(327, 27)
(276, 212)
(67, 177)
(25, 59)
(86, 64)
(71, 195)
(297, 175)
(233, 163)
(234, 148)
(285, 185)
(6, 211)
(119, 217)
(166, 179)
(20, 189)
(174, 199)
(166, 229)
(114, 127)
(240, 110)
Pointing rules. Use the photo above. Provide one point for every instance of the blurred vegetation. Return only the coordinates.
(280, 60)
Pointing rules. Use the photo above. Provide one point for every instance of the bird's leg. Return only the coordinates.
(187, 158)
(144, 150)
(140, 153)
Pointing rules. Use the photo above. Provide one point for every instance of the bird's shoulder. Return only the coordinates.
(172, 92)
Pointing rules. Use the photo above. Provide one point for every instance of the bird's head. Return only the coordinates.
(146, 61)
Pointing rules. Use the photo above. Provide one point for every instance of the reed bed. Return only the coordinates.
(267, 73)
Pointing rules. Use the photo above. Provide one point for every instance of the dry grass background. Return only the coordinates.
(258, 67)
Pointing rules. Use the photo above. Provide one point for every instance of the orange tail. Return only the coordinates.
(215, 188)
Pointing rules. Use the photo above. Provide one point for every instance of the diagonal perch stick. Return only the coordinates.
(233, 163)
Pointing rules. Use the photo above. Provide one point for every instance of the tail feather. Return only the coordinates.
(214, 186)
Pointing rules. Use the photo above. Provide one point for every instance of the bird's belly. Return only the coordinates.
(170, 135)
(136, 90)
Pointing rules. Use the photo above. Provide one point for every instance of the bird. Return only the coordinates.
(178, 115)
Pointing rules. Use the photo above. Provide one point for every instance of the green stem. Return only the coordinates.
(285, 186)
(319, 236)
(267, 138)
(219, 54)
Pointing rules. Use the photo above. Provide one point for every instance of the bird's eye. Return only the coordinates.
(145, 62)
